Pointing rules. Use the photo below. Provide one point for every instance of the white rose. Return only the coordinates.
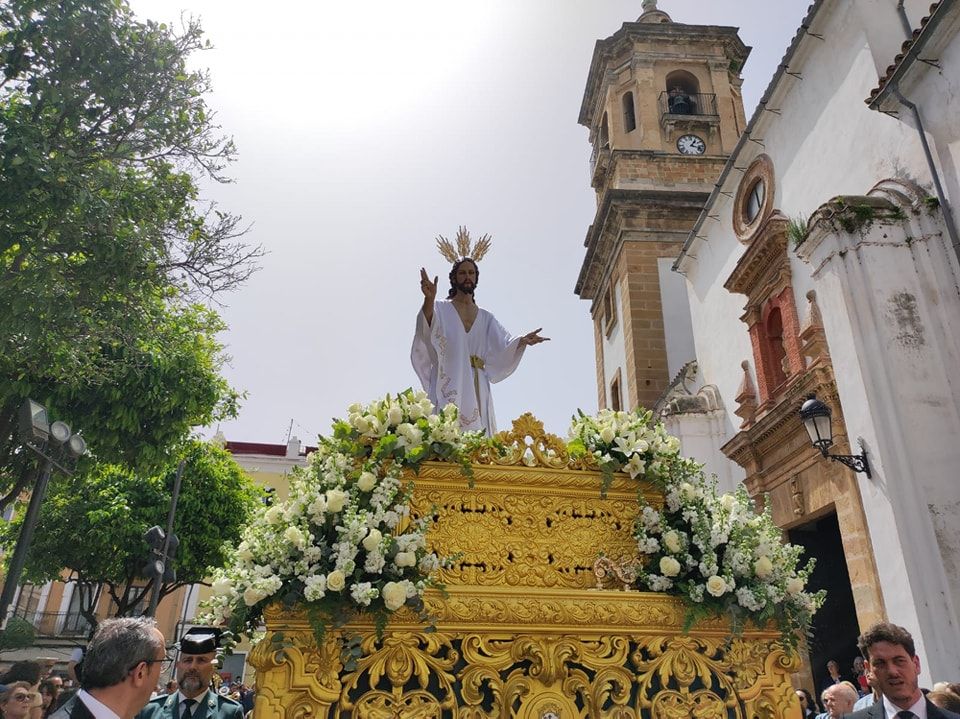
(405, 559)
(361, 424)
(336, 498)
(372, 540)
(669, 567)
(251, 596)
(688, 491)
(763, 567)
(794, 585)
(295, 537)
(415, 411)
(274, 515)
(394, 414)
(607, 434)
(222, 586)
(727, 501)
(671, 540)
(336, 581)
(243, 551)
(394, 595)
(367, 481)
(716, 586)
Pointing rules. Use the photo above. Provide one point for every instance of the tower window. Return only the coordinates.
(683, 93)
(629, 113)
(616, 399)
(604, 132)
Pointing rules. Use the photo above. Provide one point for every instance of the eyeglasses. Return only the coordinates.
(22, 697)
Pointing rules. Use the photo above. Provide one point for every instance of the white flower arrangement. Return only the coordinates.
(344, 540)
(624, 442)
(723, 557)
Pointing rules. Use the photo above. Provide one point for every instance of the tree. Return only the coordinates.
(111, 508)
(104, 239)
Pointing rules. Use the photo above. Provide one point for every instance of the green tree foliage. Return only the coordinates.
(105, 243)
(93, 524)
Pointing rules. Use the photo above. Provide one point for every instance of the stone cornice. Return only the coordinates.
(667, 34)
(601, 241)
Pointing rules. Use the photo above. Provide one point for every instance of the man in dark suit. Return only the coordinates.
(120, 669)
(895, 666)
(195, 667)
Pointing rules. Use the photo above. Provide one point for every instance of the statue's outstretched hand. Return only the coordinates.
(428, 288)
(533, 338)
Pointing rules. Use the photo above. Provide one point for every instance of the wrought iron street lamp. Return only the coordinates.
(816, 418)
(59, 447)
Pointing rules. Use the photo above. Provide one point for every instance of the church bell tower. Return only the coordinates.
(664, 110)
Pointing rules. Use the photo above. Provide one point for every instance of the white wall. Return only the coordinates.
(677, 328)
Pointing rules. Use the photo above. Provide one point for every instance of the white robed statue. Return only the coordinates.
(459, 349)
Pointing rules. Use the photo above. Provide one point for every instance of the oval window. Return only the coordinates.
(754, 201)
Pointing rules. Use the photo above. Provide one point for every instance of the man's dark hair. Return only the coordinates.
(885, 632)
(116, 648)
(453, 275)
(22, 672)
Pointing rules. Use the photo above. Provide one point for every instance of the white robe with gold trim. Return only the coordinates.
(441, 358)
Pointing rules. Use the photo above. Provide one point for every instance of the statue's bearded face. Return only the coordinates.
(466, 278)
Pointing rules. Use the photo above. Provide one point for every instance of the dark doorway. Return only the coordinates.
(835, 627)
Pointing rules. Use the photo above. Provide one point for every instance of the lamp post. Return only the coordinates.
(59, 448)
(163, 545)
(816, 418)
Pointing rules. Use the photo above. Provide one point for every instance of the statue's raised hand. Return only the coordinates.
(428, 288)
(533, 338)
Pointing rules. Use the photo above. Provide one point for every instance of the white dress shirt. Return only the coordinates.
(96, 707)
(919, 709)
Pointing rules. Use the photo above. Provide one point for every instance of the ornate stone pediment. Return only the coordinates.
(764, 267)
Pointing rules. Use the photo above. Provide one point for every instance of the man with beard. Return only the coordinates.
(459, 349)
(195, 667)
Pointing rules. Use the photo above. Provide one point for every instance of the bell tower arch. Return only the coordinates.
(664, 110)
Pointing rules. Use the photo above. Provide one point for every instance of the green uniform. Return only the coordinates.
(211, 706)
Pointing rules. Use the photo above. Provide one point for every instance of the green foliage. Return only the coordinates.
(797, 230)
(104, 239)
(111, 507)
(18, 634)
(931, 203)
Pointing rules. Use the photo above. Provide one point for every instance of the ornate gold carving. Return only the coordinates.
(528, 444)
(624, 672)
(520, 633)
(538, 530)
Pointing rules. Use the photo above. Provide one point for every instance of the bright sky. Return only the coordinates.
(366, 129)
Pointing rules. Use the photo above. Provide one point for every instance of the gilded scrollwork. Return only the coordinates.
(520, 631)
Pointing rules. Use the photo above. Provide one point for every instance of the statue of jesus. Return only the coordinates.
(459, 349)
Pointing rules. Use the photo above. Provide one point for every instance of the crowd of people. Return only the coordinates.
(118, 675)
(120, 671)
(884, 682)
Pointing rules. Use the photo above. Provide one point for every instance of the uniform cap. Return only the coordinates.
(200, 640)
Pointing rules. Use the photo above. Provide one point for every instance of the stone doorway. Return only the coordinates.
(835, 626)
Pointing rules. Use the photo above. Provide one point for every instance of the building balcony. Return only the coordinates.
(56, 624)
(688, 108)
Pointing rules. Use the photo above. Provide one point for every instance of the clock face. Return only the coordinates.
(691, 145)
